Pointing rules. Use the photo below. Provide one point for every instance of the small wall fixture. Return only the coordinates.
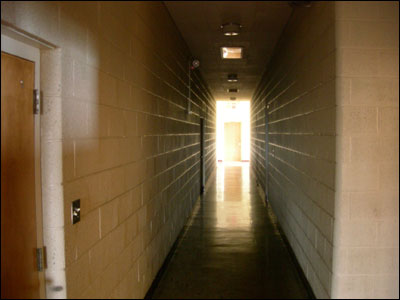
(231, 29)
(232, 78)
(195, 64)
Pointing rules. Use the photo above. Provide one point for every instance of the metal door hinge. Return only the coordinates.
(41, 259)
(36, 102)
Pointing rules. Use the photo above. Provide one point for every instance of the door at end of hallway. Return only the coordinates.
(232, 141)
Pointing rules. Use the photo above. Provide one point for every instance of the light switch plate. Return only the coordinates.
(76, 211)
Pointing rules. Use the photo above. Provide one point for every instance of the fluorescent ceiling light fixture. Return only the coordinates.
(231, 29)
(231, 52)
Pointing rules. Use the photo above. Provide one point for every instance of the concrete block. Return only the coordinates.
(124, 95)
(107, 89)
(387, 260)
(358, 62)
(125, 207)
(78, 277)
(389, 60)
(72, 36)
(389, 176)
(385, 286)
(357, 121)
(109, 216)
(357, 11)
(373, 34)
(113, 30)
(68, 160)
(388, 233)
(374, 91)
(86, 83)
(357, 233)
(389, 121)
(74, 119)
(353, 286)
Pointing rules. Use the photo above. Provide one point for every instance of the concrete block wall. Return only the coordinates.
(298, 94)
(257, 135)
(130, 151)
(332, 98)
(366, 237)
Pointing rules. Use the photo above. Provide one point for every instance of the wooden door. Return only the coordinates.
(232, 141)
(19, 275)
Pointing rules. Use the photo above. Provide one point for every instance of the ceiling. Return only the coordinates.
(199, 23)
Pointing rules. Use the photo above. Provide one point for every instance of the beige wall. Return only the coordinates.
(299, 90)
(130, 151)
(366, 259)
(332, 94)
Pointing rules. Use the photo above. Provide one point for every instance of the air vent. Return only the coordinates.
(233, 98)
(300, 3)
(233, 90)
(232, 78)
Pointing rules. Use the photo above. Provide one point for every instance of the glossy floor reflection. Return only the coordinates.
(231, 248)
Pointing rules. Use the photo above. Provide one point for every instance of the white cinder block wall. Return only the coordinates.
(299, 88)
(333, 95)
(130, 151)
(366, 237)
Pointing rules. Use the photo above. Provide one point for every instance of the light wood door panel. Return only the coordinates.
(19, 275)
(232, 141)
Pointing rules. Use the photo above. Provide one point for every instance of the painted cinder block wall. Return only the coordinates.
(333, 95)
(366, 236)
(298, 93)
(130, 151)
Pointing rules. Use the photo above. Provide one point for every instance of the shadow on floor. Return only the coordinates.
(230, 248)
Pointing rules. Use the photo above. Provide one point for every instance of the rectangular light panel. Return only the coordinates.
(231, 52)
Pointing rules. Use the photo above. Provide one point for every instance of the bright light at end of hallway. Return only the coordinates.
(235, 144)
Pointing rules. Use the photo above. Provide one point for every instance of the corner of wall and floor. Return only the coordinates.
(331, 94)
(130, 151)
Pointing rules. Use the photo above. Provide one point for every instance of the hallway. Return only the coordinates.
(231, 247)
(121, 102)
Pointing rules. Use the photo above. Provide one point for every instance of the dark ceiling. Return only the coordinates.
(200, 21)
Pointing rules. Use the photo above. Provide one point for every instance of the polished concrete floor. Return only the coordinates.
(231, 247)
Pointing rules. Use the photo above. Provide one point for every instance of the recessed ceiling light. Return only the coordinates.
(232, 90)
(231, 29)
(232, 78)
(231, 52)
